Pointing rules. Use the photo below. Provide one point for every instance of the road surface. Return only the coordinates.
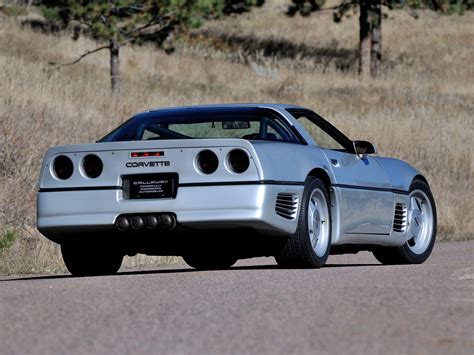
(353, 305)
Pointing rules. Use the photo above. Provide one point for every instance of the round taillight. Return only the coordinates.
(92, 166)
(207, 161)
(63, 167)
(238, 161)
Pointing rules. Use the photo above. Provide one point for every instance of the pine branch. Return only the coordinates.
(82, 56)
(150, 23)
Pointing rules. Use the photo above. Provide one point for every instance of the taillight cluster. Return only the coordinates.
(207, 161)
(237, 161)
(91, 165)
(63, 167)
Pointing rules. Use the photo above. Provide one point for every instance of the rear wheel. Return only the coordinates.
(83, 259)
(309, 246)
(204, 262)
(421, 229)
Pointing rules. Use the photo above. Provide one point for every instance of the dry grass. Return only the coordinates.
(420, 109)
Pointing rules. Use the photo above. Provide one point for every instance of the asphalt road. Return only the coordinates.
(354, 305)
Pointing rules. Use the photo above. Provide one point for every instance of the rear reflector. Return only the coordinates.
(147, 154)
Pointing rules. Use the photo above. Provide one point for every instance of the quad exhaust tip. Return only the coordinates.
(122, 224)
(139, 222)
(168, 221)
(152, 221)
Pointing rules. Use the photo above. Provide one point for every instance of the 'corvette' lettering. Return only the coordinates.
(147, 164)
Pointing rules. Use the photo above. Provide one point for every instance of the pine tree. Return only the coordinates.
(119, 22)
(370, 21)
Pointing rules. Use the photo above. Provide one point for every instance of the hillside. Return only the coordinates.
(420, 109)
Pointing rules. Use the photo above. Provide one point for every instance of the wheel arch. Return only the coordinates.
(421, 178)
(322, 175)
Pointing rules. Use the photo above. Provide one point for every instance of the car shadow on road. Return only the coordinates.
(122, 273)
(276, 267)
(185, 270)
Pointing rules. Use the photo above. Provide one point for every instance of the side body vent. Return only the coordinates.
(286, 205)
(400, 218)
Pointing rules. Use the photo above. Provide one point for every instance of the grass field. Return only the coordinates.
(420, 109)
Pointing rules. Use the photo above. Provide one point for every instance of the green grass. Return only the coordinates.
(7, 239)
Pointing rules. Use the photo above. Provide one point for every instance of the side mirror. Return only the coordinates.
(364, 148)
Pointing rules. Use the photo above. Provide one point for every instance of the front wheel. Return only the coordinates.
(84, 259)
(309, 246)
(421, 229)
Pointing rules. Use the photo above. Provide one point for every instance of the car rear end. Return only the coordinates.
(155, 185)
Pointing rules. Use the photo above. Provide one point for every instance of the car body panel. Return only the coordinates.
(179, 153)
(366, 202)
(289, 162)
(399, 173)
(227, 206)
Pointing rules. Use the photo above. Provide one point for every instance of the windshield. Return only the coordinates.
(200, 123)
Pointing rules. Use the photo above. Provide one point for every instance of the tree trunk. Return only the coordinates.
(364, 38)
(376, 48)
(114, 65)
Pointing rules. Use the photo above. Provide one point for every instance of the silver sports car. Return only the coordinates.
(221, 182)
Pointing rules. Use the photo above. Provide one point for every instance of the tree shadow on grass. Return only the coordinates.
(281, 48)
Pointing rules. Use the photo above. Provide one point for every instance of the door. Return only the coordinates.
(366, 202)
(361, 186)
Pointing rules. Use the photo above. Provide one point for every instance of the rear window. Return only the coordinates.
(246, 123)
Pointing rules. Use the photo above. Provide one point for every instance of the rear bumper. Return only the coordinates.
(60, 213)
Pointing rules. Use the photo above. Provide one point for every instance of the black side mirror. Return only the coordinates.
(364, 148)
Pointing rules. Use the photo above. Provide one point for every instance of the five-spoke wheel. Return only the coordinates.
(310, 245)
(318, 222)
(420, 222)
(421, 229)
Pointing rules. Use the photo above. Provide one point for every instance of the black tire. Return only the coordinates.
(204, 262)
(298, 251)
(91, 260)
(404, 254)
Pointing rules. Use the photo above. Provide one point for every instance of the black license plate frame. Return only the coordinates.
(150, 186)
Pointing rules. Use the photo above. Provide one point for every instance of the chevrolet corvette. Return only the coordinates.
(217, 183)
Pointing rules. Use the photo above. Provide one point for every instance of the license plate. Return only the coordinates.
(150, 186)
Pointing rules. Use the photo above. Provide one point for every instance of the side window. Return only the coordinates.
(322, 139)
(149, 135)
